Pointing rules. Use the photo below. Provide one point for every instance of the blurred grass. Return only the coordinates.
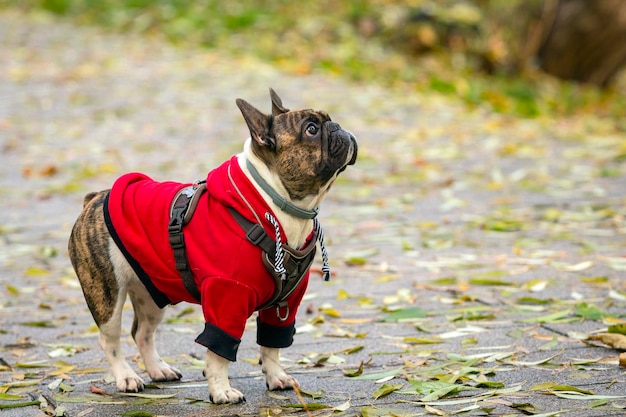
(341, 38)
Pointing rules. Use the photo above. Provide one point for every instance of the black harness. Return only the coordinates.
(295, 262)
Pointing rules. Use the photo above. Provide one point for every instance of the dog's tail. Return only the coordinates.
(89, 197)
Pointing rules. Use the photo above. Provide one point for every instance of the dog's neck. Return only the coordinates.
(296, 229)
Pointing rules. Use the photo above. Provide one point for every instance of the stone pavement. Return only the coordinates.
(502, 241)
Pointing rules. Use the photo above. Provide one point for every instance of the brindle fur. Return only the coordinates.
(105, 285)
(93, 264)
(303, 164)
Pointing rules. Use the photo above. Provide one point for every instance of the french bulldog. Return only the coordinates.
(243, 241)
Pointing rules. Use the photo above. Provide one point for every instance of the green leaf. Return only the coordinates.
(137, 413)
(41, 323)
(9, 397)
(30, 365)
(63, 387)
(595, 280)
(618, 328)
(490, 384)
(590, 312)
(429, 387)
(549, 318)
(406, 314)
(385, 389)
(532, 301)
(20, 384)
(351, 373)
(525, 408)
(12, 290)
(379, 375)
(350, 351)
(313, 395)
(470, 341)
(35, 271)
(440, 393)
(489, 281)
(421, 340)
(19, 405)
(444, 281)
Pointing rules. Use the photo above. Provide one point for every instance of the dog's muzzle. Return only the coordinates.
(341, 139)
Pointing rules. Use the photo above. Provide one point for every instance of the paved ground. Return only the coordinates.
(510, 236)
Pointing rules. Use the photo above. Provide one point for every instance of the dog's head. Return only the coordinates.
(304, 148)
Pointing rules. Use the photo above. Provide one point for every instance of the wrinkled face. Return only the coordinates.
(305, 148)
(310, 151)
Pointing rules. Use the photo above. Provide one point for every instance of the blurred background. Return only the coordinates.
(529, 58)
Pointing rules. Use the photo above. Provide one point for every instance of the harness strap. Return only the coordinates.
(295, 263)
(255, 233)
(183, 206)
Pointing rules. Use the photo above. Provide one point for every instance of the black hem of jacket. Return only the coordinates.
(274, 336)
(219, 342)
(159, 298)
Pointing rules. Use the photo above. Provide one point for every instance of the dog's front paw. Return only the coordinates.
(275, 376)
(227, 396)
(280, 381)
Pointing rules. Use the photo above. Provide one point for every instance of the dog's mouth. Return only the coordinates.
(353, 150)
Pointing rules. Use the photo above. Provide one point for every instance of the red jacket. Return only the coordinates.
(227, 268)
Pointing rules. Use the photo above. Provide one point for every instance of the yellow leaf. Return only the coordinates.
(615, 340)
(34, 271)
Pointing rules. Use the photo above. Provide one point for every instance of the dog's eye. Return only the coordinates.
(311, 129)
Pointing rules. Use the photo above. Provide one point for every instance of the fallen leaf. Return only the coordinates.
(615, 340)
(354, 372)
(379, 375)
(590, 312)
(342, 407)
(137, 413)
(618, 328)
(581, 266)
(96, 390)
(406, 314)
(385, 389)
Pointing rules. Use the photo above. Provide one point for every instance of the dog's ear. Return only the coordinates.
(259, 124)
(277, 104)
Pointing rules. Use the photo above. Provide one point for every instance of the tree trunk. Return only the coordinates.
(586, 40)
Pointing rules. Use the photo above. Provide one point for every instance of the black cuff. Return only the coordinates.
(219, 342)
(274, 336)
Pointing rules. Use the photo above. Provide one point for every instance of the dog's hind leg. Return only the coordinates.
(126, 379)
(147, 317)
(103, 277)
